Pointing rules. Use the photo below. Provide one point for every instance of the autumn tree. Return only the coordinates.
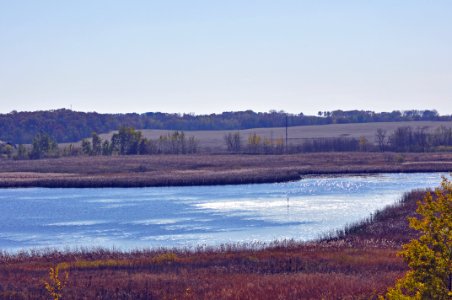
(233, 142)
(175, 143)
(380, 138)
(429, 257)
(192, 145)
(363, 143)
(254, 143)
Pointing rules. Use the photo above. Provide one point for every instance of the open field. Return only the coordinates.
(167, 170)
(359, 263)
(212, 140)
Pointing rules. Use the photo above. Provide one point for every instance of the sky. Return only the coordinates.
(212, 56)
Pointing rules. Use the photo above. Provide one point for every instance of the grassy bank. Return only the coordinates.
(356, 263)
(177, 170)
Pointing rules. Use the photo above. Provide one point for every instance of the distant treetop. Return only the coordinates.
(65, 125)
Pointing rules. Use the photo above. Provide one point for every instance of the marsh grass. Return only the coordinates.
(358, 262)
(185, 170)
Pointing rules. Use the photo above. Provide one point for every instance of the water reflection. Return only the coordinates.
(189, 216)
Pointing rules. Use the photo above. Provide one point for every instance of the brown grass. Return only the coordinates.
(166, 170)
(360, 263)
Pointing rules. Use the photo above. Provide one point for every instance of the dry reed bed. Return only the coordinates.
(356, 263)
(166, 170)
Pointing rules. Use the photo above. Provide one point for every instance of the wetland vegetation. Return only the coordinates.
(359, 262)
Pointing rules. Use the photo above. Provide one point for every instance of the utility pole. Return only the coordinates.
(287, 136)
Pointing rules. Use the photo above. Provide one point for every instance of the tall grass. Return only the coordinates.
(388, 225)
(358, 262)
(165, 170)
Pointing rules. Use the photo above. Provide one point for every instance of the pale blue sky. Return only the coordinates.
(212, 56)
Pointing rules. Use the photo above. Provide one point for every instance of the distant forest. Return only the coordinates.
(65, 125)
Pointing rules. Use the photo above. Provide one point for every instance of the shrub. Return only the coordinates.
(430, 256)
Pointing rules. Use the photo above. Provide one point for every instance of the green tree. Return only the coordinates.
(178, 142)
(429, 257)
(8, 150)
(96, 143)
(22, 152)
(106, 148)
(86, 147)
(163, 144)
(43, 146)
(126, 141)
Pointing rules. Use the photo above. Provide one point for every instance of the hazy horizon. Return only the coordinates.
(200, 114)
(204, 57)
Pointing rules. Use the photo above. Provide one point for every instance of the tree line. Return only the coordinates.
(127, 141)
(70, 126)
(403, 139)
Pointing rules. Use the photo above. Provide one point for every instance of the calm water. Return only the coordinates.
(190, 216)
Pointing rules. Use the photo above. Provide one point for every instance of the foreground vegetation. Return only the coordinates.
(177, 170)
(430, 256)
(359, 262)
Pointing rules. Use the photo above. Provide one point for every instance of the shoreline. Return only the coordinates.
(353, 233)
(115, 184)
(215, 170)
(359, 259)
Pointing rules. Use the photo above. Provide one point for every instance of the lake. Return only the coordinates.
(126, 219)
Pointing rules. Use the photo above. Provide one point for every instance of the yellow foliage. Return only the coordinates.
(254, 139)
(55, 285)
(165, 258)
(93, 264)
(429, 257)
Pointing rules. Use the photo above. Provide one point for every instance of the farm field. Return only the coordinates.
(213, 141)
(170, 170)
